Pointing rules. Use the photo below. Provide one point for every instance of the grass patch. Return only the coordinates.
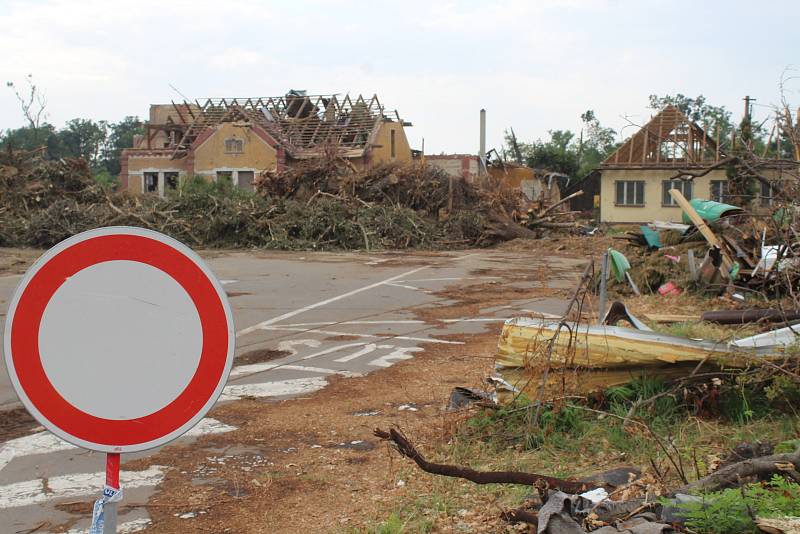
(580, 438)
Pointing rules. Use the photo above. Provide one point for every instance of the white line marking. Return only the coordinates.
(394, 284)
(401, 353)
(465, 257)
(261, 367)
(337, 348)
(39, 443)
(32, 492)
(226, 282)
(329, 323)
(47, 443)
(278, 388)
(479, 320)
(372, 336)
(451, 278)
(371, 347)
(208, 426)
(304, 309)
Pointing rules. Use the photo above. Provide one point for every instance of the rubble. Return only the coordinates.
(325, 204)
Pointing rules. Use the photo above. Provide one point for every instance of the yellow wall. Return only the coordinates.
(140, 164)
(383, 152)
(257, 154)
(652, 209)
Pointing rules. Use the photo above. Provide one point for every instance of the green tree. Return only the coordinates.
(597, 143)
(120, 137)
(84, 138)
(699, 111)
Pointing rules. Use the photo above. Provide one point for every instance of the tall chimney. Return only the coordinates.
(482, 150)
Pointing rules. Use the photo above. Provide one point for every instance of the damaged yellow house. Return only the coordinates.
(235, 139)
(635, 179)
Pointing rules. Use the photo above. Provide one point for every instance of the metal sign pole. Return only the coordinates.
(112, 480)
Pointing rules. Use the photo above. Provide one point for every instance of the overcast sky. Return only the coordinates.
(535, 65)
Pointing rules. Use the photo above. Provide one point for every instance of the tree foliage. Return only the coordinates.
(699, 111)
(567, 154)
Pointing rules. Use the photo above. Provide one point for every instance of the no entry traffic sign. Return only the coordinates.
(119, 339)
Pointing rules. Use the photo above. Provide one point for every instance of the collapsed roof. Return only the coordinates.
(302, 124)
(669, 139)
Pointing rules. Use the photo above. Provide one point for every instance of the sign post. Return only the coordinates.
(118, 340)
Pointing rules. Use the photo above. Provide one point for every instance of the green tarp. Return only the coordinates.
(709, 210)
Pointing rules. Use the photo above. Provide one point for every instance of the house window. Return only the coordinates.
(223, 176)
(171, 181)
(151, 182)
(719, 191)
(767, 194)
(685, 187)
(234, 146)
(393, 143)
(630, 192)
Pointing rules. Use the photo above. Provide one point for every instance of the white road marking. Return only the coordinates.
(290, 344)
(208, 426)
(400, 353)
(403, 286)
(37, 491)
(46, 443)
(329, 323)
(399, 322)
(123, 528)
(370, 347)
(371, 336)
(256, 368)
(304, 309)
(452, 278)
(226, 282)
(295, 386)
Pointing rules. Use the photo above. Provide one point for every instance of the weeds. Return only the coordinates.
(731, 511)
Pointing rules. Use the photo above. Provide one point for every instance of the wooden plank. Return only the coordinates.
(660, 137)
(671, 318)
(703, 228)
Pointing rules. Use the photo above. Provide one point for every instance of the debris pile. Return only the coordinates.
(721, 248)
(325, 204)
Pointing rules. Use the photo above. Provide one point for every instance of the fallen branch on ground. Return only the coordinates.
(732, 475)
(404, 447)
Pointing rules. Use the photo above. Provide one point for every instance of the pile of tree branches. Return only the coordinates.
(325, 204)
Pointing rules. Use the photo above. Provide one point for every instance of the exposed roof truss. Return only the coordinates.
(669, 140)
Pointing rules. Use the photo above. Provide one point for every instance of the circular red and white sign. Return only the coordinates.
(119, 339)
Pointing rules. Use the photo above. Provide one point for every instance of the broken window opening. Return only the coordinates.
(223, 176)
(171, 181)
(151, 182)
(393, 144)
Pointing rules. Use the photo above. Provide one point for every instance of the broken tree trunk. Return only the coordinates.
(731, 475)
(404, 447)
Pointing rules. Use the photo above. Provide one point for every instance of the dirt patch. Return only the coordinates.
(260, 356)
(322, 469)
(17, 260)
(16, 423)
